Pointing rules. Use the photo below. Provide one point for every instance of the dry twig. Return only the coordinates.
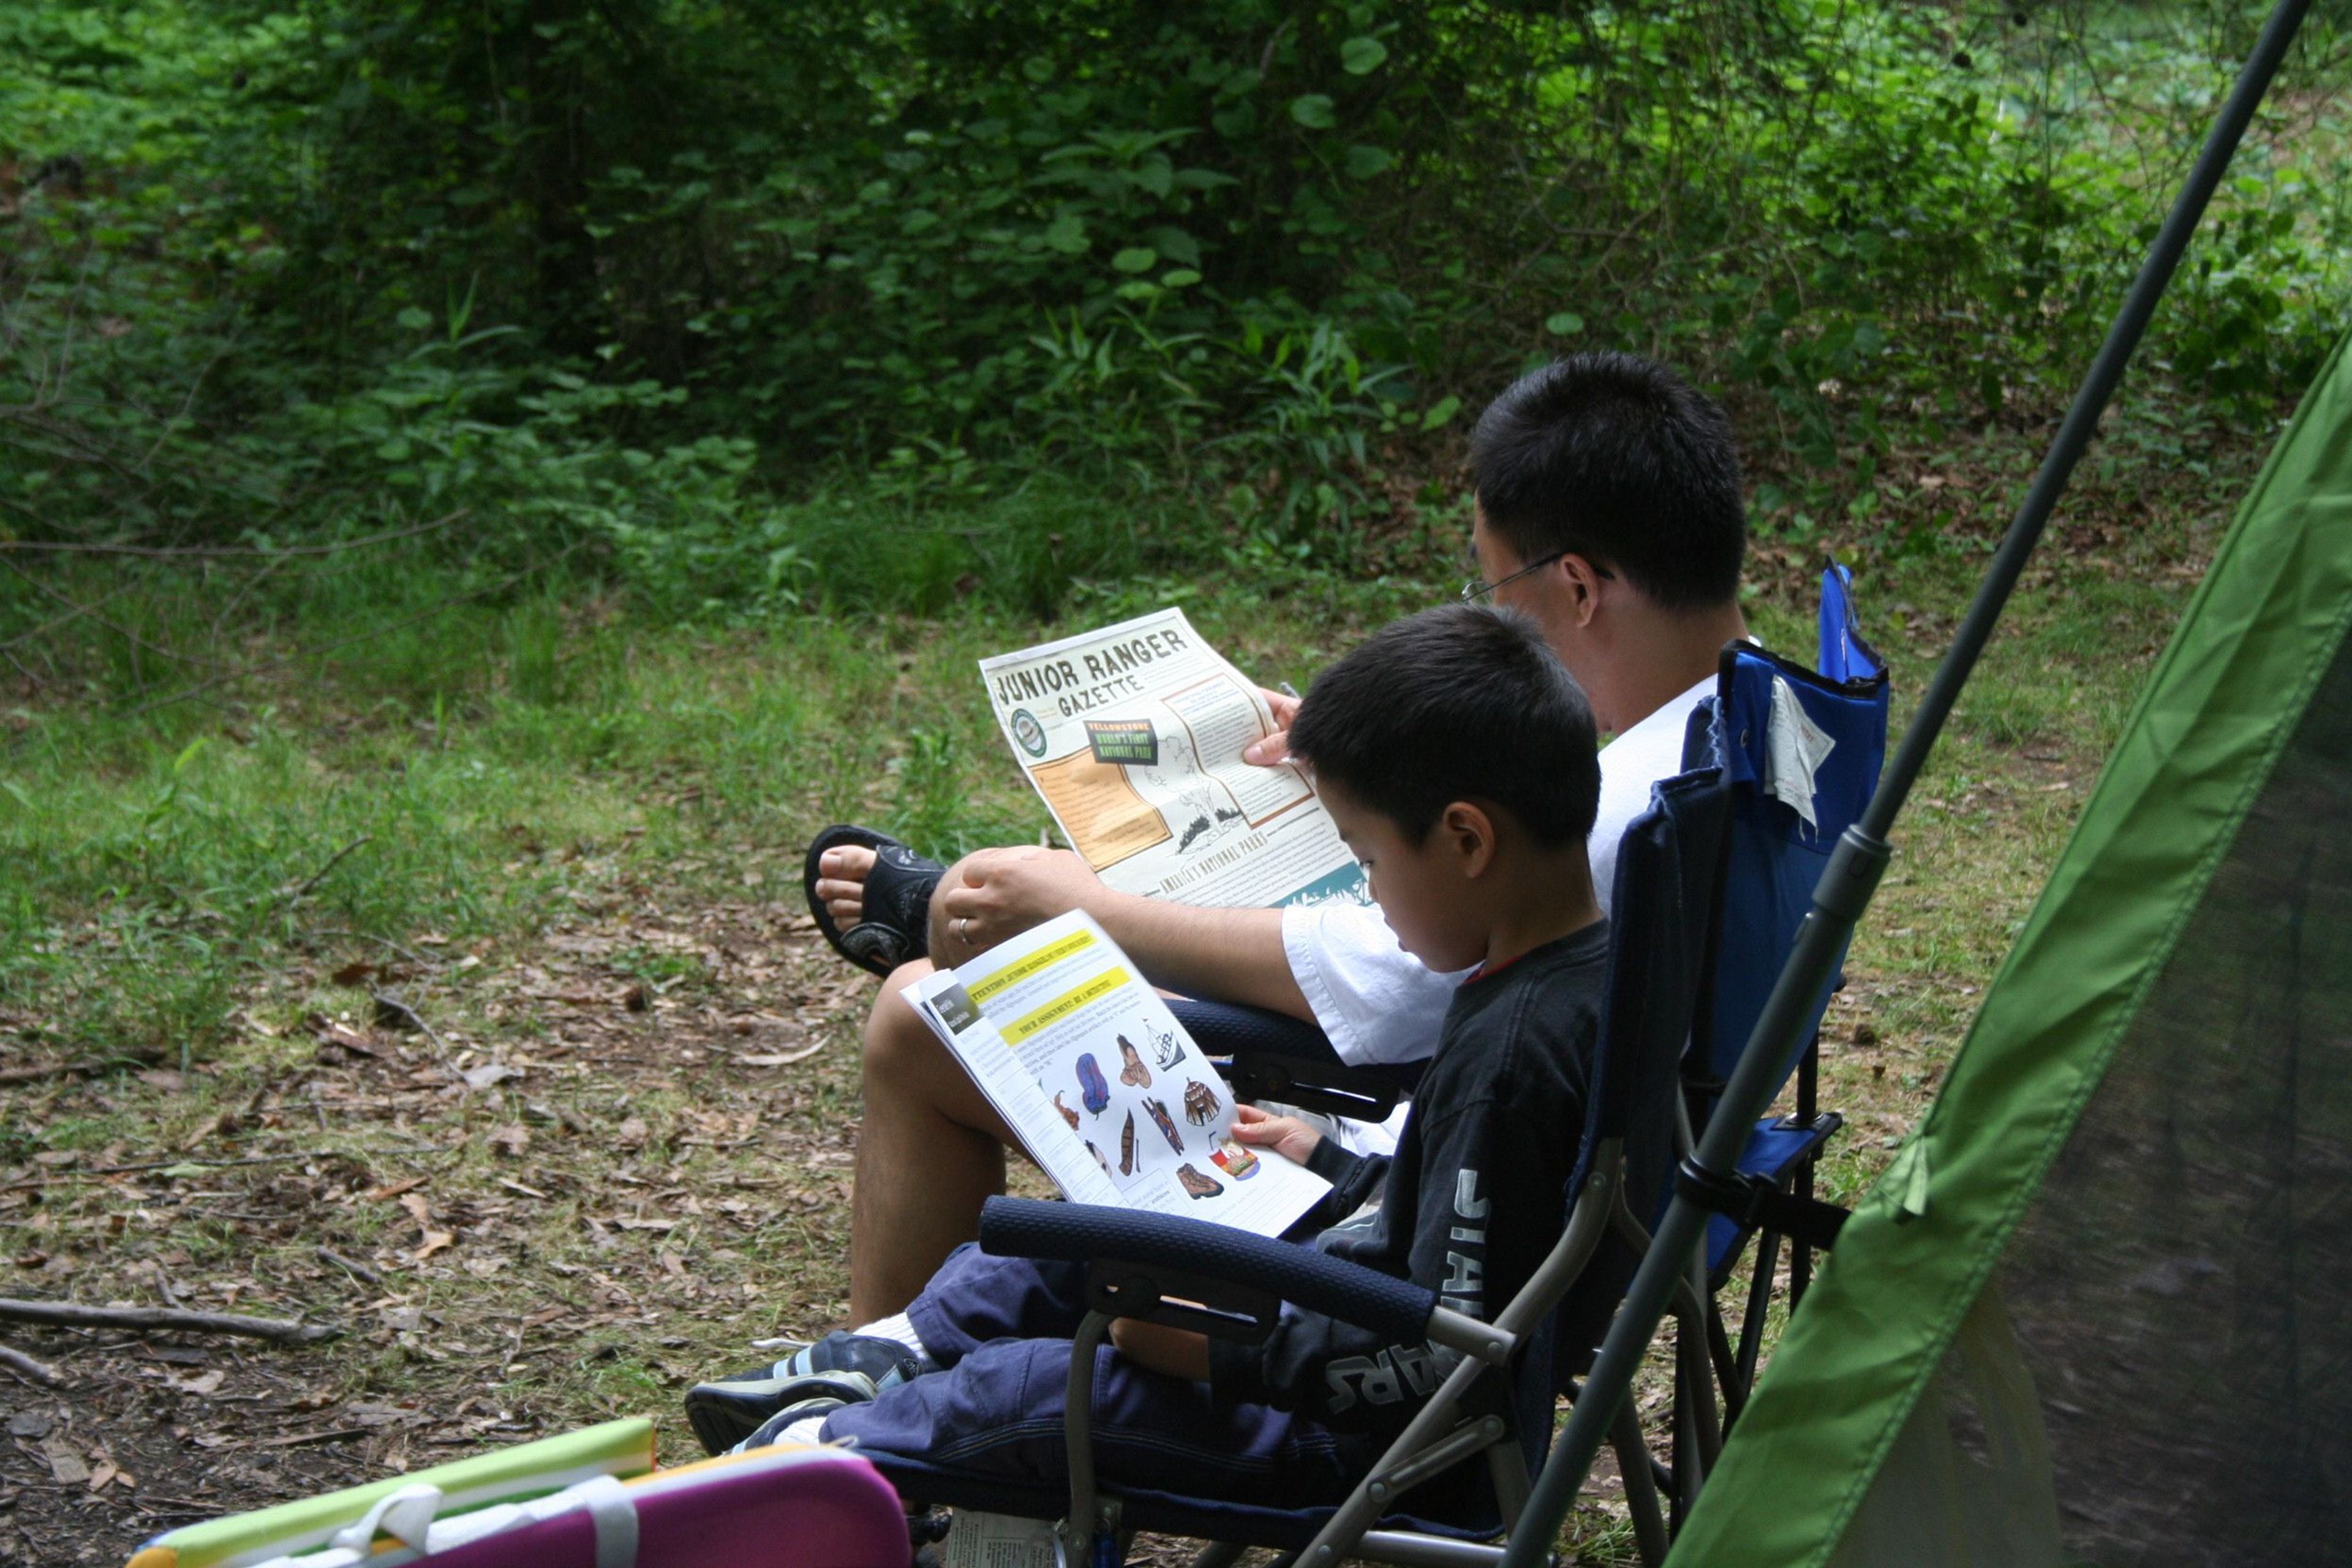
(32, 1371)
(73, 1315)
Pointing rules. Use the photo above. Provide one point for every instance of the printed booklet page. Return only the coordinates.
(1133, 736)
(1109, 1094)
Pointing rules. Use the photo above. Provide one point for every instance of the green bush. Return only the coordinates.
(681, 287)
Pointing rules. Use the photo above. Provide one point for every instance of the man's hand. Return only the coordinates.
(1285, 1136)
(1269, 750)
(1179, 1352)
(994, 894)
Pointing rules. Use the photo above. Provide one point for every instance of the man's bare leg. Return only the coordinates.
(930, 1152)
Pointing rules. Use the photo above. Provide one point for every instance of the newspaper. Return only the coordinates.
(1102, 1085)
(1133, 736)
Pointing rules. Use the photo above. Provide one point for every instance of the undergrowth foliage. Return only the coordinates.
(665, 279)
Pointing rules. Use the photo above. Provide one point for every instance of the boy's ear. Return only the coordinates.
(1466, 829)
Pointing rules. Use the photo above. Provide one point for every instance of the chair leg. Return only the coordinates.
(1218, 1554)
(1634, 1465)
(1759, 1307)
(1080, 1531)
(1727, 1366)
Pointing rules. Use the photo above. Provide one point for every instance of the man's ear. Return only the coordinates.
(1467, 832)
(1583, 585)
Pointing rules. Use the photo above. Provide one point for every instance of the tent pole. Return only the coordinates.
(1853, 873)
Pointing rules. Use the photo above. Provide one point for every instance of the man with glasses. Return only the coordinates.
(1609, 512)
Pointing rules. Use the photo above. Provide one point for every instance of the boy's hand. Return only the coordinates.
(1268, 749)
(1285, 1135)
(1179, 1352)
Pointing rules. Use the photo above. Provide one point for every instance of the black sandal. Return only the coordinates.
(896, 926)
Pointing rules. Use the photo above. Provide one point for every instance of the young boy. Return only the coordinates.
(1458, 759)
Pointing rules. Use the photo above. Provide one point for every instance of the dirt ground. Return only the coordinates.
(533, 1188)
(549, 1192)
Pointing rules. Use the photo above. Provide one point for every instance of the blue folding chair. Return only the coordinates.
(1493, 1408)
(1800, 750)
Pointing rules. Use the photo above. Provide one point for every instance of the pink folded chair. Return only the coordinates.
(782, 1506)
(773, 1508)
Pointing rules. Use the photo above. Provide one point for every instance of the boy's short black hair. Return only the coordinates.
(1620, 460)
(1459, 703)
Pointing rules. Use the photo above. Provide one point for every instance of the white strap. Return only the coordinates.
(405, 1515)
(614, 1515)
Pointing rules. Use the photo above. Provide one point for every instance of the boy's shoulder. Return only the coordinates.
(1548, 1000)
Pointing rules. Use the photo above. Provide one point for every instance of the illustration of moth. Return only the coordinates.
(1167, 1124)
(1092, 1088)
(1098, 1157)
(1196, 1184)
(1135, 1072)
(1127, 1146)
(1068, 1114)
(1164, 1046)
(1201, 1103)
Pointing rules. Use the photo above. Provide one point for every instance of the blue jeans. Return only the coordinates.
(1000, 1329)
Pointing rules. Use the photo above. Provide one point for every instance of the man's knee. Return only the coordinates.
(899, 1046)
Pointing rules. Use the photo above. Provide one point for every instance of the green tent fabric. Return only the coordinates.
(2099, 1310)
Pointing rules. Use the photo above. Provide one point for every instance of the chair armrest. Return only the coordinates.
(1328, 1089)
(1087, 1233)
(1272, 1055)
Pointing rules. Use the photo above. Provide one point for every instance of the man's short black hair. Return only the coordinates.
(1622, 461)
(1458, 703)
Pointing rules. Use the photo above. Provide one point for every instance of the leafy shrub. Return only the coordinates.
(674, 280)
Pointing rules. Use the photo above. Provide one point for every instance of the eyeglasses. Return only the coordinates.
(1478, 588)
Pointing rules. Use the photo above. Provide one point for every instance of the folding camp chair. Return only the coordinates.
(1800, 752)
(583, 1499)
(1230, 1285)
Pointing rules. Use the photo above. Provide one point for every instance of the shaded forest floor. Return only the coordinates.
(546, 1095)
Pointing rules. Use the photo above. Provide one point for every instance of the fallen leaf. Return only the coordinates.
(357, 973)
(204, 1384)
(101, 1476)
(65, 1464)
(434, 1241)
(635, 999)
(419, 1209)
(393, 1189)
(633, 1133)
(484, 1076)
(513, 1139)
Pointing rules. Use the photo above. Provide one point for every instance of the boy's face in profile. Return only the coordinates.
(1426, 891)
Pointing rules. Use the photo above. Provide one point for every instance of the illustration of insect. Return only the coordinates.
(1167, 1124)
(1068, 1114)
(1098, 1157)
(1127, 1146)
(1092, 1088)
(1201, 1103)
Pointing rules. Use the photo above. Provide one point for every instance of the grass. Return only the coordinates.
(565, 835)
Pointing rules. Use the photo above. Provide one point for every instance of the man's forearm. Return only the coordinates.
(1224, 955)
(1230, 955)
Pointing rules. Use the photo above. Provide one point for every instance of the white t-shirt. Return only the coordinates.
(1374, 1000)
